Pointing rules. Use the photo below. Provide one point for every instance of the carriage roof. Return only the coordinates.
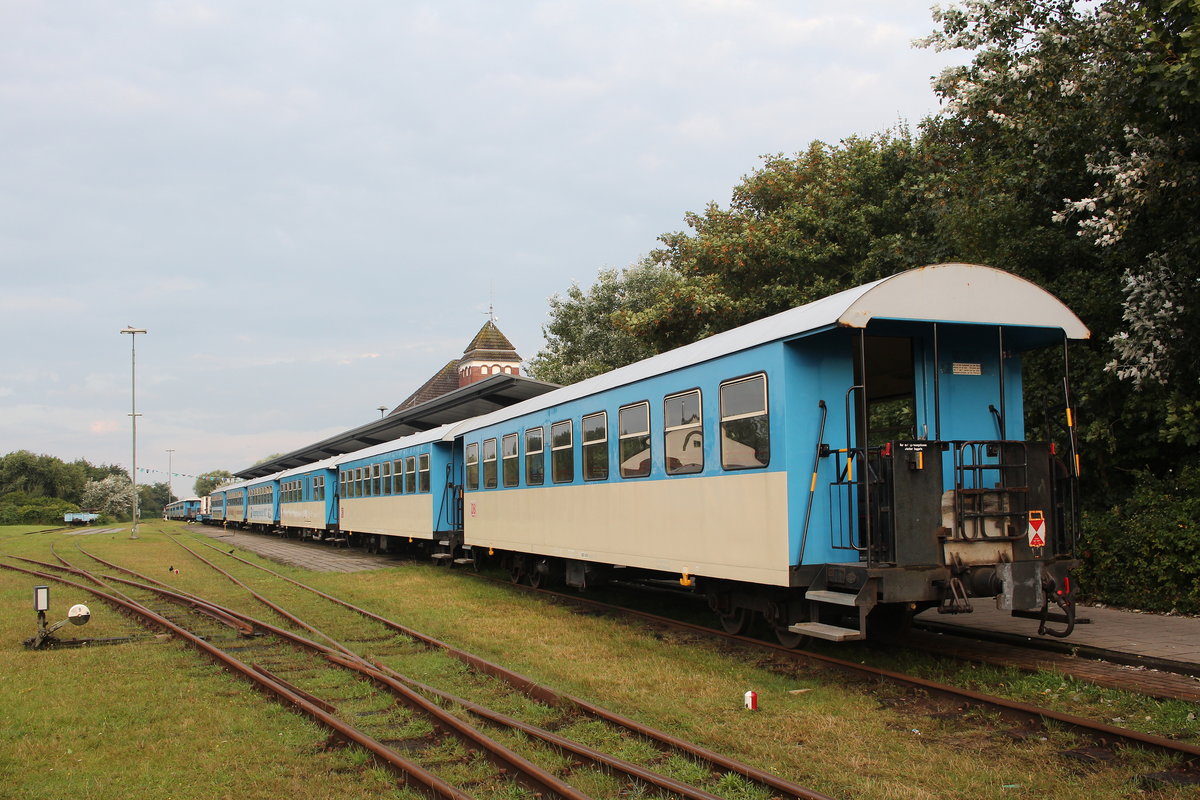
(945, 293)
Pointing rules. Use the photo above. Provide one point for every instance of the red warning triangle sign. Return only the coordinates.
(1036, 530)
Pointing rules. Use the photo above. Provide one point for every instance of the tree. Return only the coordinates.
(47, 476)
(583, 337)
(797, 229)
(210, 480)
(153, 498)
(112, 496)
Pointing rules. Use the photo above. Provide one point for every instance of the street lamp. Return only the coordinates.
(133, 415)
(170, 491)
(381, 411)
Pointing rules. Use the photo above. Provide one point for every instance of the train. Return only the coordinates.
(188, 510)
(831, 470)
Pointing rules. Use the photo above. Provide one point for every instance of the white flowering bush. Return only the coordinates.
(112, 496)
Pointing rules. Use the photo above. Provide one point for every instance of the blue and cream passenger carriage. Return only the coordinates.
(832, 468)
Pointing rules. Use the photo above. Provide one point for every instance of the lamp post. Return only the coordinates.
(133, 415)
(381, 411)
(170, 491)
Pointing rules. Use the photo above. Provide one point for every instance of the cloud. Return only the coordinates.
(15, 301)
(295, 196)
(186, 15)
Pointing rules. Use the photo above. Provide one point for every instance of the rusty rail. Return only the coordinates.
(556, 698)
(407, 769)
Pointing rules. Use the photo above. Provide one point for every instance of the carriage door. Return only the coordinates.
(900, 494)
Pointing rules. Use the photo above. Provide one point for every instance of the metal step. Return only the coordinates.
(440, 556)
(827, 596)
(464, 561)
(832, 633)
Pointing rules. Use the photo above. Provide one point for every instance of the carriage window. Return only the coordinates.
(342, 483)
(398, 476)
(489, 463)
(376, 487)
(535, 458)
(472, 465)
(319, 487)
(683, 433)
(745, 425)
(410, 483)
(634, 433)
(562, 452)
(512, 466)
(595, 447)
(387, 477)
(423, 472)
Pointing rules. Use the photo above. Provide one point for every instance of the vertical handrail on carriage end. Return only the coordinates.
(812, 487)
(864, 520)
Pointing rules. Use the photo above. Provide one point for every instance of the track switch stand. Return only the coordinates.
(77, 615)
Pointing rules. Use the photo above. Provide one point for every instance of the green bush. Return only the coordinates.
(18, 508)
(1145, 552)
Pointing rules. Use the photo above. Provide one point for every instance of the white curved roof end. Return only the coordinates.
(967, 293)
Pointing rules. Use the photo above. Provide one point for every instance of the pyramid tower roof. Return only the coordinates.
(490, 343)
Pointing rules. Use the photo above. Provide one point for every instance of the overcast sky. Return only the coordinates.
(310, 206)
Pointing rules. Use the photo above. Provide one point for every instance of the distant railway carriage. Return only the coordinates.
(262, 503)
(308, 500)
(401, 491)
(186, 510)
(831, 469)
(216, 507)
(236, 504)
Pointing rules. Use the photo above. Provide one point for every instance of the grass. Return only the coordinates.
(1167, 718)
(153, 719)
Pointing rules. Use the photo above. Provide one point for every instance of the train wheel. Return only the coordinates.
(737, 621)
(779, 615)
(789, 639)
(539, 575)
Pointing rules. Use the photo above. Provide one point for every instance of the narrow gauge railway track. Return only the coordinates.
(1177, 680)
(1166, 679)
(1100, 732)
(297, 669)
